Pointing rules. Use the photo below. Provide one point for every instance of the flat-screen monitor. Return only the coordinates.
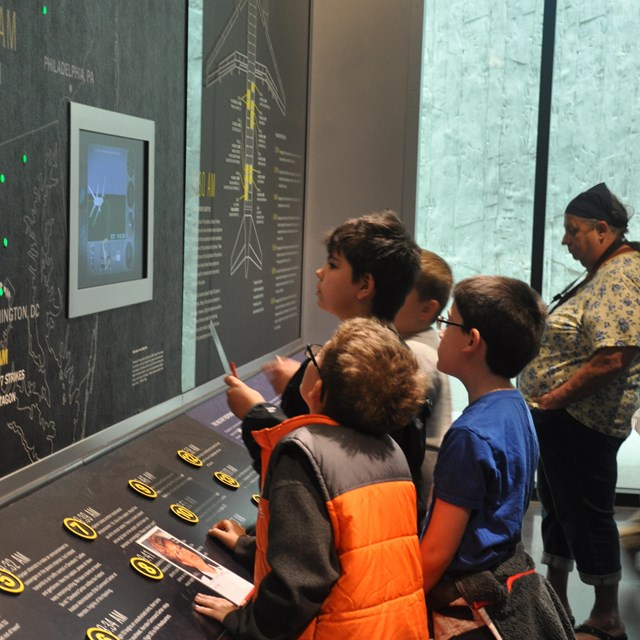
(110, 211)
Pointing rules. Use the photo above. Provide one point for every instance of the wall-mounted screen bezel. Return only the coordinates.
(111, 187)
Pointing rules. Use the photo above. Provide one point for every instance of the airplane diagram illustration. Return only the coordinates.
(247, 249)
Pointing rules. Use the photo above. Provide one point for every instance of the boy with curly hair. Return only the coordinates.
(336, 552)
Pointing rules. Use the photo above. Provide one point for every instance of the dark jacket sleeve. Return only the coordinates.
(292, 403)
(412, 440)
(260, 416)
(245, 551)
(301, 554)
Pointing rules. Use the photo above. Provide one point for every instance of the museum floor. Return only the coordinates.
(581, 595)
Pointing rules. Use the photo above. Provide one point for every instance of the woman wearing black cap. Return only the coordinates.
(583, 388)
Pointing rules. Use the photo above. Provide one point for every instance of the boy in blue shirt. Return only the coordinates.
(484, 475)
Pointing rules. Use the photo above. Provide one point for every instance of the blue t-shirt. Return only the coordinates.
(487, 464)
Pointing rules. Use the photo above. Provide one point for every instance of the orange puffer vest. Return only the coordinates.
(371, 504)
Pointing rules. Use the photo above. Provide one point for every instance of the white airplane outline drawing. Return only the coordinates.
(247, 249)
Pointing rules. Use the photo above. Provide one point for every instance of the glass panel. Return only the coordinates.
(595, 122)
(480, 85)
(477, 153)
(481, 68)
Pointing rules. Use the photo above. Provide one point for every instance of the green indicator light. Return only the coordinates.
(24, 158)
(2, 178)
(44, 10)
(5, 242)
(1, 292)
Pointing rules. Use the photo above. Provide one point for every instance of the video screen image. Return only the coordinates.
(112, 187)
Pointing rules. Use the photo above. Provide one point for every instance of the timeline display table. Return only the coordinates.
(66, 549)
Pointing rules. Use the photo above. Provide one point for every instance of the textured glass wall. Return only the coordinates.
(479, 111)
(477, 148)
(595, 118)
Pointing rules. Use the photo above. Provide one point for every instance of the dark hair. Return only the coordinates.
(509, 315)
(434, 280)
(379, 244)
(619, 216)
(370, 377)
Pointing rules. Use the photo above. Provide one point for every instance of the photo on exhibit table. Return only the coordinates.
(196, 564)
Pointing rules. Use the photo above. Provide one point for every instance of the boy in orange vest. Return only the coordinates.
(336, 552)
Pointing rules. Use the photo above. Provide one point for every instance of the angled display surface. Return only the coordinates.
(82, 565)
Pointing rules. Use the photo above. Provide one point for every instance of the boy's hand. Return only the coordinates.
(240, 397)
(212, 607)
(228, 532)
(280, 371)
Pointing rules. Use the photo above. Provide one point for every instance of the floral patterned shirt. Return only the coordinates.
(604, 313)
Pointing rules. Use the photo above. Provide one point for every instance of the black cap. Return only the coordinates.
(593, 204)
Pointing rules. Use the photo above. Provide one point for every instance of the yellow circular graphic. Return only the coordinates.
(80, 528)
(146, 568)
(255, 498)
(10, 583)
(184, 514)
(95, 633)
(189, 458)
(226, 480)
(143, 489)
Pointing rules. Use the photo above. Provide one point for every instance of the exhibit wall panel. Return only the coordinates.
(220, 80)
(244, 202)
(64, 379)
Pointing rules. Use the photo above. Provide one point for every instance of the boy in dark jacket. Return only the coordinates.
(372, 263)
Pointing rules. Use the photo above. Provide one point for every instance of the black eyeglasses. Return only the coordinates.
(311, 352)
(442, 322)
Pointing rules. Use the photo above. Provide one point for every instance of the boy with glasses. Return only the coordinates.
(476, 572)
(336, 552)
